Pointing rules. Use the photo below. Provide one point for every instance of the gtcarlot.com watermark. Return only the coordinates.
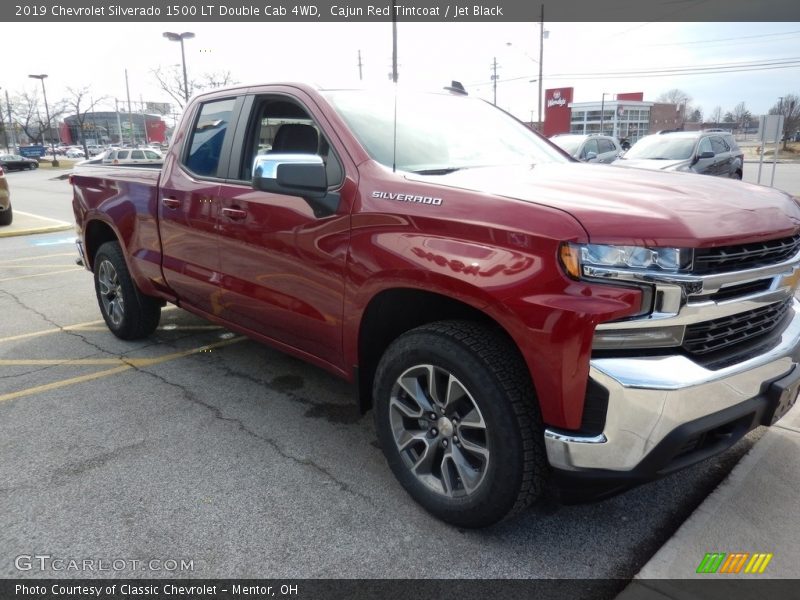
(48, 563)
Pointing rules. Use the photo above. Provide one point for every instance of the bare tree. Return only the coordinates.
(28, 112)
(78, 100)
(24, 109)
(675, 96)
(790, 109)
(171, 81)
(716, 115)
(741, 116)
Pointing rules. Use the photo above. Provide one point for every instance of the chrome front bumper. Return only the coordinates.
(649, 397)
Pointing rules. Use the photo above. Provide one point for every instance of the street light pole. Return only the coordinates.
(47, 114)
(179, 37)
(602, 110)
(11, 124)
(541, 58)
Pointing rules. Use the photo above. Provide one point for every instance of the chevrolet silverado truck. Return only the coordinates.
(514, 318)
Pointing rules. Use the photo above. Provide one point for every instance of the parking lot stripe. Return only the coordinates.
(130, 363)
(42, 274)
(76, 326)
(27, 258)
(23, 336)
(36, 266)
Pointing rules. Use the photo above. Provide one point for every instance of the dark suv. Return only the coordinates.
(705, 152)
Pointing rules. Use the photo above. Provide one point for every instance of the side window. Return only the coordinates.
(280, 126)
(719, 145)
(122, 154)
(137, 155)
(605, 146)
(589, 146)
(704, 146)
(205, 142)
(151, 154)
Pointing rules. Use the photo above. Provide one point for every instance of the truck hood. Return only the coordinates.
(636, 206)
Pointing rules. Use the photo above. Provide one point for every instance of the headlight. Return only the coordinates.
(580, 260)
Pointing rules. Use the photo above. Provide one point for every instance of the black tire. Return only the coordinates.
(129, 314)
(490, 424)
(6, 216)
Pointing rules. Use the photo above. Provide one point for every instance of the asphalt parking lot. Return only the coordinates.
(200, 446)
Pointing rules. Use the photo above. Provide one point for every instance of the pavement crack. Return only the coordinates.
(217, 412)
(50, 321)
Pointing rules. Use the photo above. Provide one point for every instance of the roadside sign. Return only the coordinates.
(32, 151)
(770, 128)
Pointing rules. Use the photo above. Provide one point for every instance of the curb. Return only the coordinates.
(29, 227)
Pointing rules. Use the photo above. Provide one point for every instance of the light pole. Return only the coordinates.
(47, 114)
(541, 60)
(179, 37)
(11, 125)
(602, 110)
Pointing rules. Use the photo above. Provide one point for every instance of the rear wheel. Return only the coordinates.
(458, 422)
(129, 314)
(6, 216)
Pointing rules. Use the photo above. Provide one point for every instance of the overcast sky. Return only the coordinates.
(430, 55)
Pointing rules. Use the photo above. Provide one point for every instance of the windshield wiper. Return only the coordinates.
(437, 171)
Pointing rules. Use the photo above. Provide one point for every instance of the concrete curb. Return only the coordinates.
(29, 224)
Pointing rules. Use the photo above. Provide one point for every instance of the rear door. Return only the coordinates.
(189, 203)
(722, 156)
(282, 259)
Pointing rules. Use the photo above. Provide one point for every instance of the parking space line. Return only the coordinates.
(130, 363)
(37, 266)
(23, 336)
(75, 327)
(42, 274)
(27, 258)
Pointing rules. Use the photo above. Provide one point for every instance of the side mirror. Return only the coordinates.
(292, 174)
(590, 156)
(706, 154)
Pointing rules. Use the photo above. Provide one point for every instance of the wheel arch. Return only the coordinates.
(393, 312)
(96, 233)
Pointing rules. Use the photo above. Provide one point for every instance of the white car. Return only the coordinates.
(127, 156)
(75, 153)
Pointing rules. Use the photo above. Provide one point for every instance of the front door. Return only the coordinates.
(283, 261)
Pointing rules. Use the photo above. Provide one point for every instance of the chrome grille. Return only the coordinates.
(718, 334)
(744, 256)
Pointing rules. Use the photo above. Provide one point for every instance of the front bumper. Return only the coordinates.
(666, 412)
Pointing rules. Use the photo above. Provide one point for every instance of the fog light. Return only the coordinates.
(654, 337)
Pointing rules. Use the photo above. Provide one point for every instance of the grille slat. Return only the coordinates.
(744, 256)
(724, 332)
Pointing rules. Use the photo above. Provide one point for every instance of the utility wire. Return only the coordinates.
(786, 63)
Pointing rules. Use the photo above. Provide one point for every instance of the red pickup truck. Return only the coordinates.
(514, 317)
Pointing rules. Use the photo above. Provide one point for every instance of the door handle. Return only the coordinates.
(171, 202)
(234, 213)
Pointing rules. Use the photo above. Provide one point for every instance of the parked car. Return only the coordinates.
(75, 153)
(589, 148)
(704, 152)
(133, 156)
(10, 162)
(5, 200)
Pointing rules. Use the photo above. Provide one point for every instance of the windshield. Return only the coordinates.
(438, 133)
(659, 147)
(570, 144)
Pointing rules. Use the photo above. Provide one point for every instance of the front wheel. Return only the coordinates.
(458, 422)
(129, 314)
